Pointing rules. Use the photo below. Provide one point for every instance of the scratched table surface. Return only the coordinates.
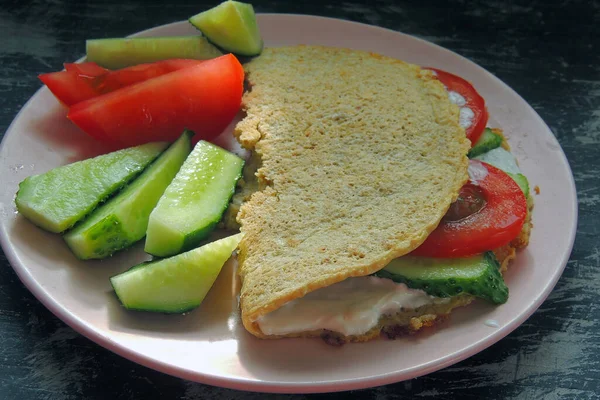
(549, 52)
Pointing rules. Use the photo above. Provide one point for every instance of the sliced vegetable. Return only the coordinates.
(118, 53)
(473, 113)
(489, 213)
(90, 69)
(204, 98)
(69, 87)
(487, 141)
(123, 220)
(477, 275)
(85, 81)
(176, 284)
(522, 182)
(59, 198)
(232, 26)
(138, 73)
(506, 161)
(194, 202)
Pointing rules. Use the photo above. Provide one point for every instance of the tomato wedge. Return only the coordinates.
(69, 87)
(203, 98)
(139, 73)
(472, 100)
(83, 81)
(90, 69)
(493, 217)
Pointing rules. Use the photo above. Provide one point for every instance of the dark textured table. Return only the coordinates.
(549, 52)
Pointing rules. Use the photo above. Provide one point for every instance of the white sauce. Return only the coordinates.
(456, 98)
(350, 307)
(501, 159)
(477, 172)
(465, 118)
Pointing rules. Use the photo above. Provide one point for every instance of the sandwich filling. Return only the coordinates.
(350, 307)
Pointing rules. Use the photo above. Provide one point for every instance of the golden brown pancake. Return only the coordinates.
(361, 156)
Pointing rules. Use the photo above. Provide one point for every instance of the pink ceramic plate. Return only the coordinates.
(209, 345)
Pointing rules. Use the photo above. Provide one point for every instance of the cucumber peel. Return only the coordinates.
(116, 53)
(194, 202)
(123, 220)
(486, 142)
(477, 275)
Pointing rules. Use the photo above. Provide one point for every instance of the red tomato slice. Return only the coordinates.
(90, 69)
(204, 98)
(84, 81)
(139, 73)
(489, 213)
(69, 87)
(473, 101)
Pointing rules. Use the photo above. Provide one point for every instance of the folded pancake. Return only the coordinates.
(360, 157)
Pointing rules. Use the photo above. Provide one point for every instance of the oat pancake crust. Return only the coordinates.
(361, 156)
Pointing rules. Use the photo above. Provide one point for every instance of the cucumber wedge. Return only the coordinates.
(232, 26)
(194, 202)
(488, 141)
(123, 220)
(176, 284)
(506, 161)
(478, 275)
(59, 198)
(118, 53)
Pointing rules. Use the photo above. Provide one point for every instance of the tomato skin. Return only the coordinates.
(474, 101)
(203, 98)
(496, 224)
(84, 81)
(138, 73)
(68, 87)
(90, 69)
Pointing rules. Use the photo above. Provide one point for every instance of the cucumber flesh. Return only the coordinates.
(123, 220)
(176, 284)
(477, 275)
(522, 182)
(194, 202)
(118, 53)
(61, 197)
(232, 26)
(488, 141)
(506, 161)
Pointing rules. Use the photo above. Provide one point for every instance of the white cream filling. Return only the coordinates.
(465, 118)
(466, 115)
(457, 98)
(350, 307)
(477, 172)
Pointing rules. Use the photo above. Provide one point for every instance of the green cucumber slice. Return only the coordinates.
(232, 26)
(506, 161)
(176, 284)
(61, 197)
(123, 220)
(488, 141)
(478, 275)
(522, 182)
(195, 200)
(115, 53)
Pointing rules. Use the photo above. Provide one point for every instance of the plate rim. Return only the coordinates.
(245, 384)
